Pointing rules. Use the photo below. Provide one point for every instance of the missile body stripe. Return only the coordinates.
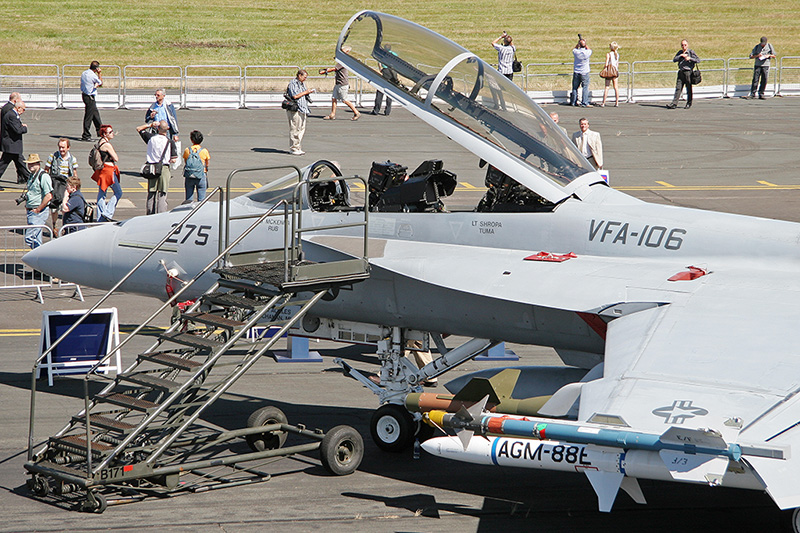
(494, 452)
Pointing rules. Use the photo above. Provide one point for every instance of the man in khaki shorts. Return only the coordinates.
(340, 87)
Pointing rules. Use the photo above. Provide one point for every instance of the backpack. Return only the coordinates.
(194, 167)
(95, 160)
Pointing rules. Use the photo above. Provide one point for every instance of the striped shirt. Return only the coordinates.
(63, 164)
(505, 56)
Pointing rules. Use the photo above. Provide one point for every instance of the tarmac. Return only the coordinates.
(726, 155)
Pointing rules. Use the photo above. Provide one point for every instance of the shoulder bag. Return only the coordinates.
(151, 171)
(516, 66)
(697, 76)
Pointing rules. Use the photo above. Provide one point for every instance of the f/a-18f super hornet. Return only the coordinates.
(683, 320)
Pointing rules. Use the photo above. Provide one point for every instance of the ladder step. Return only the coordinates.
(271, 273)
(213, 319)
(227, 299)
(187, 339)
(180, 363)
(266, 290)
(77, 444)
(127, 401)
(106, 423)
(149, 380)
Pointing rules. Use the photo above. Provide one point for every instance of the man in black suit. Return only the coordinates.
(13, 98)
(11, 141)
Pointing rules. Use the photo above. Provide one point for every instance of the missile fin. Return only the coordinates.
(475, 389)
(698, 468)
(631, 486)
(465, 435)
(606, 486)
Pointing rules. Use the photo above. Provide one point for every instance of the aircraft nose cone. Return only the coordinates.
(83, 257)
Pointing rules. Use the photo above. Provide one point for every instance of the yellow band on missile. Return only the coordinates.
(437, 417)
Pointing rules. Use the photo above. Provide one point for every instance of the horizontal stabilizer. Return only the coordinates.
(562, 401)
(695, 468)
(606, 486)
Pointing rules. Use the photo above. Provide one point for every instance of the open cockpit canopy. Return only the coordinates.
(466, 99)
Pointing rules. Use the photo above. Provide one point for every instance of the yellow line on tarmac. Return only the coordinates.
(255, 184)
(665, 184)
(713, 188)
(467, 185)
(762, 182)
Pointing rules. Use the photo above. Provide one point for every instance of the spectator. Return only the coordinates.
(13, 130)
(38, 196)
(505, 55)
(160, 149)
(73, 206)
(193, 177)
(297, 119)
(589, 143)
(340, 87)
(91, 79)
(612, 59)
(162, 109)
(390, 75)
(554, 116)
(61, 165)
(686, 60)
(13, 98)
(762, 53)
(108, 176)
(580, 72)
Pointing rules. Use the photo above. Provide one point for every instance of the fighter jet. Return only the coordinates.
(683, 319)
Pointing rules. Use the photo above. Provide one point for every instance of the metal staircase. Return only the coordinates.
(143, 432)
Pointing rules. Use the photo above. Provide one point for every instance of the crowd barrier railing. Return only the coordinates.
(788, 76)
(252, 86)
(139, 82)
(16, 275)
(109, 96)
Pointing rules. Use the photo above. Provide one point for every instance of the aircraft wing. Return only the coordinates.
(722, 358)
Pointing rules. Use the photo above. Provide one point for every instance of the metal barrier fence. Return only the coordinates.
(109, 96)
(16, 275)
(788, 76)
(231, 86)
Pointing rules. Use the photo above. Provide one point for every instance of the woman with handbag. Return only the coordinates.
(107, 176)
(611, 73)
(506, 55)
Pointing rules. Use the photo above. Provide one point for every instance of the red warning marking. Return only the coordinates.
(550, 257)
(690, 274)
(127, 468)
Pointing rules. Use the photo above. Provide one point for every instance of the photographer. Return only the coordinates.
(298, 92)
(580, 72)
(506, 52)
(38, 195)
(91, 79)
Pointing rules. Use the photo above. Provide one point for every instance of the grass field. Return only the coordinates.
(240, 32)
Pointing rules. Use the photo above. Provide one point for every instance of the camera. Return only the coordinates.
(22, 197)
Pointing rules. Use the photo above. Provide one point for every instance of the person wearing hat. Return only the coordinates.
(38, 195)
(762, 53)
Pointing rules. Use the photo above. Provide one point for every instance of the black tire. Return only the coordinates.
(392, 428)
(98, 506)
(790, 521)
(39, 486)
(270, 440)
(342, 450)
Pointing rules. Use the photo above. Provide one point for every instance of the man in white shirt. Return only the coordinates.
(580, 73)
(91, 79)
(160, 149)
(589, 143)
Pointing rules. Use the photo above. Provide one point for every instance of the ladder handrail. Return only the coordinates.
(80, 320)
(174, 298)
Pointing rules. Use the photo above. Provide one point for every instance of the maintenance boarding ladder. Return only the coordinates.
(143, 430)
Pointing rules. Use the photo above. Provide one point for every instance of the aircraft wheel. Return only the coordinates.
(39, 486)
(95, 503)
(341, 450)
(392, 428)
(270, 440)
(790, 520)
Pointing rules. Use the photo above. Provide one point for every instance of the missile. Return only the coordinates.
(675, 439)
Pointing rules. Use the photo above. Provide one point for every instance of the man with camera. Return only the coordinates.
(91, 79)
(37, 198)
(580, 72)
(298, 93)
